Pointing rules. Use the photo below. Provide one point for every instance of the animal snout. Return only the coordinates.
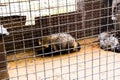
(117, 48)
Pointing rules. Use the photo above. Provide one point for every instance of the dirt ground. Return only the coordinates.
(90, 63)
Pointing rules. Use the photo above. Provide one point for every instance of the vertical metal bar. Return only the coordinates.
(115, 30)
(68, 44)
(76, 37)
(59, 30)
(83, 3)
(92, 43)
(108, 9)
(51, 41)
(98, 34)
(41, 31)
(14, 48)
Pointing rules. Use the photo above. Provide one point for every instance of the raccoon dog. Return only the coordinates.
(114, 5)
(60, 41)
(109, 42)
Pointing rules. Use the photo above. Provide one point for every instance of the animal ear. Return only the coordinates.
(45, 38)
(39, 41)
(1, 25)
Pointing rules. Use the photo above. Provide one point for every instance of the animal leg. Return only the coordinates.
(75, 46)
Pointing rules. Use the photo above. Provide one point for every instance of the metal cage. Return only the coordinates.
(30, 21)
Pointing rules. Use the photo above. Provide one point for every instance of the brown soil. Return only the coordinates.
(90, 63)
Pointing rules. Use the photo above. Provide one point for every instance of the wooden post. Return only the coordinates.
(3, 63)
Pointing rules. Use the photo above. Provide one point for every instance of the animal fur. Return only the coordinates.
(109, 42)
(59, 41)
(3, 31)
(114, 5)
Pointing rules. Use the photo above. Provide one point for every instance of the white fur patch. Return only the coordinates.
(114, 18)
(3, 30)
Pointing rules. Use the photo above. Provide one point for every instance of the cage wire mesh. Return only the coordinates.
(33, 50)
